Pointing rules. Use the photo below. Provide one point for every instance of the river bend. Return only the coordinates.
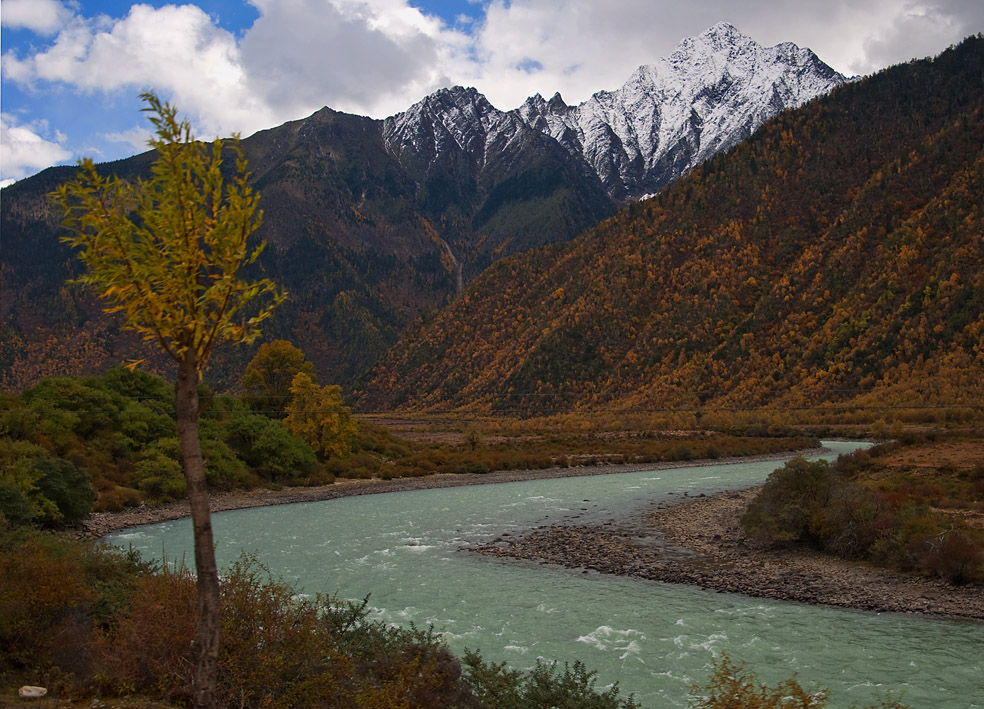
(404, 549)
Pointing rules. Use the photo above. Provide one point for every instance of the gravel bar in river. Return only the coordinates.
(698, 541)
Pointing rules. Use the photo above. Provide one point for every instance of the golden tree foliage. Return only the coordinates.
(317, 416)
(269, 375)
(167, 252)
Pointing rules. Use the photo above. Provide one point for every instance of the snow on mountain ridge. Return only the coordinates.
(709, 94)
(458, 114)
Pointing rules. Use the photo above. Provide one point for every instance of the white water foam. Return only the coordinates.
(606, 638)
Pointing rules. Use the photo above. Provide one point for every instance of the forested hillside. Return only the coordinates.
(372, 225)
(362, 249)
(835, 257)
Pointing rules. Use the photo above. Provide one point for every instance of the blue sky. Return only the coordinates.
(70, 70)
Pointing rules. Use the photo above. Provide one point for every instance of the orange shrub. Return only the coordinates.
(41, 591)
(150, 649)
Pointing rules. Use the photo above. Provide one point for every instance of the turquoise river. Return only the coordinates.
(656, 640)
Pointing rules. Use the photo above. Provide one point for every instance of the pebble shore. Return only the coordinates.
(698, 542)
(695, 541)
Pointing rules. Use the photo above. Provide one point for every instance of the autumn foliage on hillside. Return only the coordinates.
(835, 257)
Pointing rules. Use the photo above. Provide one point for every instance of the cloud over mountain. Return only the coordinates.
(375, 57)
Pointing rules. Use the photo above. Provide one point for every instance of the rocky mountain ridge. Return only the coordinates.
(711, 93)
(831, 260)
(374, 224)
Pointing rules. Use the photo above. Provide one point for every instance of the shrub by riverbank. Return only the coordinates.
(85, 623)
(104, 627)
(859, 508)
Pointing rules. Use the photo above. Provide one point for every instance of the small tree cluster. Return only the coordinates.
(317, 416)
(269, 376)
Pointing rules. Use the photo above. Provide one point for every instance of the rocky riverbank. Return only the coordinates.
(699, 542)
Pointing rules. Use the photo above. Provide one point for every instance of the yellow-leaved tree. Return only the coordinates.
(317, 416)
(268, 377)
(166, 253)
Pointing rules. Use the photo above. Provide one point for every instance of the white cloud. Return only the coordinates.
(576, 47)
(23, 150)
(45, 17)
(376, 57)
(582, 46)
(177, 51)
(372, 57)
(136, 137)
(362, 57)
(920, 29)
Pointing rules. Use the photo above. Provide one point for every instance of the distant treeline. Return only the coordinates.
(69, 445)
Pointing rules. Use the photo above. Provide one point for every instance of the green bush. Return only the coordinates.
(821, 505)
(15, 509)
(38, 489)
(68, 487)
(161, 477)
(265, 445)
(790, 505)
(223, 469)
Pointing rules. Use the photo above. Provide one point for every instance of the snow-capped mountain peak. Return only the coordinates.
(710, 93)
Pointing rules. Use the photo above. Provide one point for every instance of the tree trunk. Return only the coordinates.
(206, 644)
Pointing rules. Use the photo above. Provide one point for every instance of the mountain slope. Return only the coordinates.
(495, 185)
(833, 257)
(372, 225)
